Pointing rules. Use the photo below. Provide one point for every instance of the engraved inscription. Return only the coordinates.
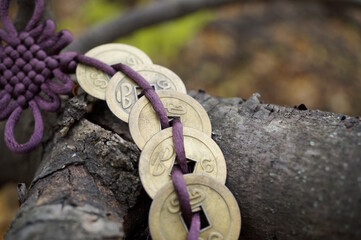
(177, 110)
(207, 165)
(131, 60)
(174, 110)
(164, 84)
(98, 80)
(122, 95)
(196, 197)
(159, 158)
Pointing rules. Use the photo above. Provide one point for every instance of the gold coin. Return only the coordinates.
(158, 158)
(95, 82)
(221, 215)
(144, 122)
(122, 92)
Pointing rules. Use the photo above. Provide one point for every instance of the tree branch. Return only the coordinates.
(295, 174)
(157, 13)
(140, 18)
(162, 11)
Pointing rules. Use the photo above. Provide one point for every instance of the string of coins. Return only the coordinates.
(174, 133)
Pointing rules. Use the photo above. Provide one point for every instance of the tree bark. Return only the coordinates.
(295, 174)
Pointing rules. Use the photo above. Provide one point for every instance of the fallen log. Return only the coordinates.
(295, 173)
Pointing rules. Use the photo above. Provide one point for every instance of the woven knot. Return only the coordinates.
(29, 61)
(68, 61)
(25, 67)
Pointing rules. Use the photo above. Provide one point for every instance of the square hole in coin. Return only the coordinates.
(139, 91)
(190, 163)
(172, 118)
(205, 223)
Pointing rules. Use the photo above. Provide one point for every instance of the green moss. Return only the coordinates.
(96, 11)
(91, 13)
(164, 41)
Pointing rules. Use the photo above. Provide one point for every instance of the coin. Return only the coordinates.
(144, 122)
(122, 92)
(217, 205)
(94, 81)
(158, 158)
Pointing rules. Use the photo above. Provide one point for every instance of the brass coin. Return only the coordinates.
(222, 217)
(122, 92)
(144, 122)
(95, 82)
(158, 158)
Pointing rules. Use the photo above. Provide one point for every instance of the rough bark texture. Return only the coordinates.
(295, 174)
(24, 165)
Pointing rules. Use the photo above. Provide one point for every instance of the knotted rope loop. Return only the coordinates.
(29, 61)
(37, 135)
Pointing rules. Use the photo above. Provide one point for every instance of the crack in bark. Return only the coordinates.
(37, 179)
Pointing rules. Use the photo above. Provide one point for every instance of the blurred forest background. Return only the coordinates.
(290, 52)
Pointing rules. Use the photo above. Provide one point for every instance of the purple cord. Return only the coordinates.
(192, 220)
(195, 228)
(179, 145)
(14, 118)
(148, 92)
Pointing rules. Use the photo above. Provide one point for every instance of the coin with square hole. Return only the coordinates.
(219, 212)
(95, 82)
(122, 92)
(158, 158)
(144, 122)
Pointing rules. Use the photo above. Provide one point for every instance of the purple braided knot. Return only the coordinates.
(30, 59)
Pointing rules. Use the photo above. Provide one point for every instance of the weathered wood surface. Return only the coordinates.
(24, 165)
(295, 174)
